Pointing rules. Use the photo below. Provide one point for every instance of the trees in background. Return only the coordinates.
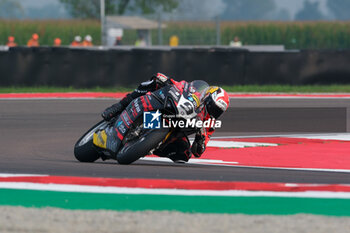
(197, 10)
(91, 8)
(227, 9)
(191, 9)
(310, 11)
(248, 9)
(339, 8)
(10, 9)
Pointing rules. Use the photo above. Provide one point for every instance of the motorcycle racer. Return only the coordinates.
(177, 147)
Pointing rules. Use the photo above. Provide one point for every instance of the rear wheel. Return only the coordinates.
(84, 150)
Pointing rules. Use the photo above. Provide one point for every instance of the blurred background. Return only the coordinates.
(297, 24)
(225, 42)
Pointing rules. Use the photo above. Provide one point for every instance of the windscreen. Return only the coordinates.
(198, 86)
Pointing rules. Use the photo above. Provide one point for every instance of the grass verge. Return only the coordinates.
(189, 204)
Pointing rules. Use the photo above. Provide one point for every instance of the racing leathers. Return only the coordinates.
(177, 147)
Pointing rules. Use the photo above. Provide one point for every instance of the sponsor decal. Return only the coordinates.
(192, 90)
(186, 87)
(175, 94)
(163, 78)
(212, 90)
(122, 128)
(140, 91)
(100, 139)
(161, 94)
(126, 119)
(137, 106)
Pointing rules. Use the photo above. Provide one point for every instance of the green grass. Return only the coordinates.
(294, 35)
(187, 204)
(237, 88)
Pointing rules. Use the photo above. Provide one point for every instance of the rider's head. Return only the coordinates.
(216, 101)
(77, 38)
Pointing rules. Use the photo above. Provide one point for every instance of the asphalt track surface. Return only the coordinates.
(38, 136)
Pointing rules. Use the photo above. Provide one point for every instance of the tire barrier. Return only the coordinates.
(128, 66)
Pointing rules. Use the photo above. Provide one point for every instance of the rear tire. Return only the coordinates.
(140, 147)
(84, 150)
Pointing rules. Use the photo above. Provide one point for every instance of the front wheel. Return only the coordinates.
(137, 148)
(84, 150)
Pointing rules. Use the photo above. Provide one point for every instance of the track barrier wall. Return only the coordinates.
(129, 66)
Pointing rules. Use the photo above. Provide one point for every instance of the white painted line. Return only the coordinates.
(346, 136)
(213, 162)
(292, 168)
(310, 185)
(251, 136)
(191, 161)
(233, 144)
(182, 192)
(341, 137)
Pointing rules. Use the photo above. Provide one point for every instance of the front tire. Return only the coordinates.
(140, 147)
(84, 150)
(86, 153)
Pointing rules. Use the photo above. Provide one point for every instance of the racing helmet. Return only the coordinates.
(88, 38)
(35, 36)
(216, 101)
(77, 38)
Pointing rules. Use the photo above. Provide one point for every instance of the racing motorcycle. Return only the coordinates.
(141, 141)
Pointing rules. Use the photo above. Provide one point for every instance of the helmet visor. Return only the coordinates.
(199, 86)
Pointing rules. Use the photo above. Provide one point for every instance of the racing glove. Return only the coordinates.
(198, 146)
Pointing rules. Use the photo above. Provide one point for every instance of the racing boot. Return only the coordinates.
(107, 140)
(176, 149)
